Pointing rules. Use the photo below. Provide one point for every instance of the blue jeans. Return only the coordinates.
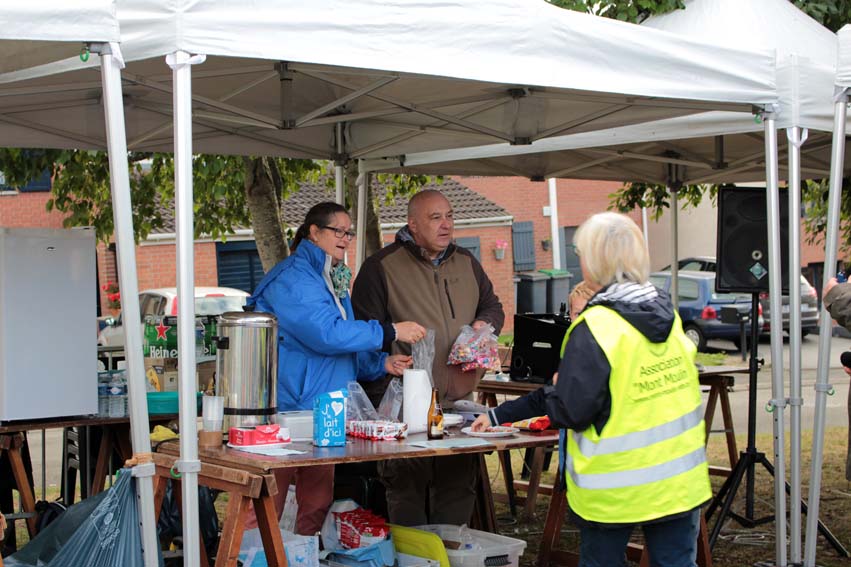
(671, 544)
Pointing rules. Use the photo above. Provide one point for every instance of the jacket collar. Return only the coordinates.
(405, 238)
(318, 259)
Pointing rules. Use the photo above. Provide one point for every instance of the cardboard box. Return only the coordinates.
(206, 376)
(162, 373)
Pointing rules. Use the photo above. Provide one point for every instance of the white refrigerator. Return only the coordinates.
(48, 329)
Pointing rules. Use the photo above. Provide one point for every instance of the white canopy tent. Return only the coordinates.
(837, 170)
(40, 32)
(707, 148)
(343, 80)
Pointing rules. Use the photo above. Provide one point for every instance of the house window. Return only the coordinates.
(39, 184)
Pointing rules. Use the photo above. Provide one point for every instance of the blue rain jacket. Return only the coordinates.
(318, 349)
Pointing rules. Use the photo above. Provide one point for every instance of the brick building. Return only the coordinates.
(488, 209)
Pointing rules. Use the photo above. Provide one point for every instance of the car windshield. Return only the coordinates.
(216, 305)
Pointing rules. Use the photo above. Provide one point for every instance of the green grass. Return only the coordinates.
(506, 339)
(711, 358)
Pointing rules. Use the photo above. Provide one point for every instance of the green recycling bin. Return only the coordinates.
(558, 288)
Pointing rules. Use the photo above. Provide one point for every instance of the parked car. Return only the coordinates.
(700, 306)
(809, 297)
(163, 301)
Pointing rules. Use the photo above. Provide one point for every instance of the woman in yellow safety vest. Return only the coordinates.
(627, 391)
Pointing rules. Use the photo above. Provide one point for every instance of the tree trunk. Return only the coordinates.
(262, 190)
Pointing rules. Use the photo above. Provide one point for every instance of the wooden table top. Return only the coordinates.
(358, 450)
(77, 421)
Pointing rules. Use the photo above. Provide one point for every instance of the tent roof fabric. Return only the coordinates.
(39, 31)
(843, 63)
(711, 147)
(401, 75)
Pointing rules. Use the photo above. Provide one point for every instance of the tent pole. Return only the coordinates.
(822, 387)
(122, 214)
(338, 167)
(554, 228)
(188, 465)
(796, 138)
(778, 400)
(363, 179)
(674, 188)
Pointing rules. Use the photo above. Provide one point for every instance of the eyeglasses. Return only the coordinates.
(340, 233)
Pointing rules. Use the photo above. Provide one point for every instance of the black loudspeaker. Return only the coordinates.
(742, 252)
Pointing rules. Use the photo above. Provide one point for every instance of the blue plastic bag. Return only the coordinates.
(102, 531)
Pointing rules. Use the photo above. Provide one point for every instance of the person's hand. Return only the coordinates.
(555, 378)
(409, 332)
(831, 283)
(396, 364)
(478, 324)
(482, 422)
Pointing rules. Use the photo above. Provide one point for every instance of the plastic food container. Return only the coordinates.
(494, 550)
(163, 403)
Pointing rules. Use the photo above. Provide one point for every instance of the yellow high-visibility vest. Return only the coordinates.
(649, 461)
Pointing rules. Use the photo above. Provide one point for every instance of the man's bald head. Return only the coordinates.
(431, 221)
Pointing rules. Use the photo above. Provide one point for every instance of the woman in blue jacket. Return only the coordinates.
(321, 346)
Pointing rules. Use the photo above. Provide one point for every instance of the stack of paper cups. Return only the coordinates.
(416, 392)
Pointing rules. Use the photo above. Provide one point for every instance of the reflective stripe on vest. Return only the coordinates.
(637, 477)
(638, 439)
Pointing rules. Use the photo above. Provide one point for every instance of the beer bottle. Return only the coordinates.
(435, 417)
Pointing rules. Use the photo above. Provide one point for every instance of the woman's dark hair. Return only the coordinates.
(320, 215)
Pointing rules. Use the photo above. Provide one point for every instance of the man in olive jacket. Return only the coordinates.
(424, 277)
(837, 301)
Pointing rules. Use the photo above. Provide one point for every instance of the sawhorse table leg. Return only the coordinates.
(718, 386)
(12, 443)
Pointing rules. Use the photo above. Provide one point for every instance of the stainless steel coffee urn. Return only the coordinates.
(247, 367)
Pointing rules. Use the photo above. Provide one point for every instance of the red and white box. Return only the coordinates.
(258, 435)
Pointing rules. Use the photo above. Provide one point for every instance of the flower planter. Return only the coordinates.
(499, 253)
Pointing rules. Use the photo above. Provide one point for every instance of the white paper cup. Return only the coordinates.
(212, 412)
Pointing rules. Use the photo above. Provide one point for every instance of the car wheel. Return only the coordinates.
(695, 335)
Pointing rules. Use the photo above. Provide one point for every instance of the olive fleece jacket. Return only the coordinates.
(400, 283)
(838, 303)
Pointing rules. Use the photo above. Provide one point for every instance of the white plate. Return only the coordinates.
(498, 431)
(452, 419)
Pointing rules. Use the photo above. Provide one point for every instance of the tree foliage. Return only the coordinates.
(624, 10)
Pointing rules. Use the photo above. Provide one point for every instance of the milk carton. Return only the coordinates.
(329, 419)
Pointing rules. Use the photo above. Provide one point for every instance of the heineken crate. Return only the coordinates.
(160, 335)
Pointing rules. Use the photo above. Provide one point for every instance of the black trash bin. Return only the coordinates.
(558, 288)
(532, 292)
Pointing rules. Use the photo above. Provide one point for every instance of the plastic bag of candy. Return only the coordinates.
(474, 349)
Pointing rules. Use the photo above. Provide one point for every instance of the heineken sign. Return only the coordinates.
(160, 336)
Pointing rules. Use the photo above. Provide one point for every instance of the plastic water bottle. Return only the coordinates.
(199, 339)
(118, 395)
(104, 379)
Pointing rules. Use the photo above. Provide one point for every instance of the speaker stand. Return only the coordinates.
(748, 459)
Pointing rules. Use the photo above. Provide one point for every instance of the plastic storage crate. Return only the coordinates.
(496, 550)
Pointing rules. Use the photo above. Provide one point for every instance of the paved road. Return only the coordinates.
(836, 405)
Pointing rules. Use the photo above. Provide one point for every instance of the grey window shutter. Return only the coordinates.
(523, 236)
(238, 265)
(471, 243)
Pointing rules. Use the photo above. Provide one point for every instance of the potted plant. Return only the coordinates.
(113, 296)
(499, 249)
(546, 244)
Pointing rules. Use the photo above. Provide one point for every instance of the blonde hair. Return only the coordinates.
(613, 249)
